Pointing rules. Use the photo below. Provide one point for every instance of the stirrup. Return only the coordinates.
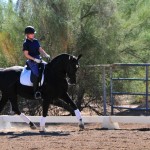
(37, 95)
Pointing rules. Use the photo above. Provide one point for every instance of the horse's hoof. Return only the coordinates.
(42, 129)
(81, 126)
(32, 126)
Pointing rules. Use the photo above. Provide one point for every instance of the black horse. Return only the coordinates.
(55, 86)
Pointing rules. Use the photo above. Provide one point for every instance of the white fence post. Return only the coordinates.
(4, 124)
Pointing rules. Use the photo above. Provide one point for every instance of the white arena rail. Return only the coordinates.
(109, 122)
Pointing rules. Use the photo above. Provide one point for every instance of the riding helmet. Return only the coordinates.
(29, 29)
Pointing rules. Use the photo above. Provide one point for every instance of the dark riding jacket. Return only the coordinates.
(32, 46)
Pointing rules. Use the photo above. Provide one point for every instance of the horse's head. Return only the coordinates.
(72, 68)
(63, 65)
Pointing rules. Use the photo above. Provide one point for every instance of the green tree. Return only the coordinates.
(135, 20)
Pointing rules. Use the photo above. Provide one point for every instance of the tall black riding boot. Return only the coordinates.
(37, 93)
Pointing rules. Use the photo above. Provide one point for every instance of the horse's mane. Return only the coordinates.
(58, 58)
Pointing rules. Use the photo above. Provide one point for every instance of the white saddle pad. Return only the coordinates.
(25, 77)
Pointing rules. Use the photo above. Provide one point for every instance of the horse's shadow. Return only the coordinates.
(24, 134)
(138, 129)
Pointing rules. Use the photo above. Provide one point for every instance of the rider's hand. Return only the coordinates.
(37, 60)
(47, 56)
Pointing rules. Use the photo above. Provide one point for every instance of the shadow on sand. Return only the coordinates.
(137, 129)
(23, 134)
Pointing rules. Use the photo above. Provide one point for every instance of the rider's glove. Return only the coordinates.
(47, 56)
(37, 60)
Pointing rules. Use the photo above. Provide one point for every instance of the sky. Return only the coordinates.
(14, 1)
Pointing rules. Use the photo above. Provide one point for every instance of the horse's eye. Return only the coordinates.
(77, 66)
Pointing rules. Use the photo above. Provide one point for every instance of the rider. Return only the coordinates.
(32, 51)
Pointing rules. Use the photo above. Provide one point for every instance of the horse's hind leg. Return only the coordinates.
(68, 100)
(14, 104)
(3, 101)
(15, 108)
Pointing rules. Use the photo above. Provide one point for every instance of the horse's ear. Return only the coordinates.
(70, 57)
(79, 56)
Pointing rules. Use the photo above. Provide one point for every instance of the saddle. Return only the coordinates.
(26, 77)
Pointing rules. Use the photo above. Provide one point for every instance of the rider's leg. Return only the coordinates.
(35, 71)
(37, 94)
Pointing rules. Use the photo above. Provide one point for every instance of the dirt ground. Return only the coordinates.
(68, 137)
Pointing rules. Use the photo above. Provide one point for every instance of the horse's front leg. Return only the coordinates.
(68, 100)
(43, 119)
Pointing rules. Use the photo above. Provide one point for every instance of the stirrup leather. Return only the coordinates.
(37, 95)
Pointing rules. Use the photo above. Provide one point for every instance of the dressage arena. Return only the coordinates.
(125, 133)
(67, 136)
